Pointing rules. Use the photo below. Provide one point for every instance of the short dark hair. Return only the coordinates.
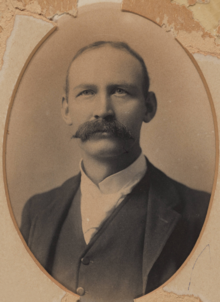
(117, 45)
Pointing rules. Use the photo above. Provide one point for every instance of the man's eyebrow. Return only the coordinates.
(124, 85)
(83, 86)
(109, 86)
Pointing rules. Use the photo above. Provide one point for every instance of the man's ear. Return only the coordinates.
(151, 107)
(65, 111)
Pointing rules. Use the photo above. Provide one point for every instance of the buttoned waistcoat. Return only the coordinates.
(175, 216)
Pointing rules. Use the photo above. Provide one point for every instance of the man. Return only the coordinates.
(120, 228)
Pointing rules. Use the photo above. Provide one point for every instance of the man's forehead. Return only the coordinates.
(105, 59)
(104, 51)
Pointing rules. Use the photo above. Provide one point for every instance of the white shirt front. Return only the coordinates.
(98, 202)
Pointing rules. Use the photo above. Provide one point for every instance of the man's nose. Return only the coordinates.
(104, 107)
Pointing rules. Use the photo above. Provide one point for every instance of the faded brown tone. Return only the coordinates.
(161, 296)
(73, 298)
(153, 297)
(192, 2)
(47, 9)
(49, 159)
(43, 9)
(187, 30)
(38, 287)
(207, 13)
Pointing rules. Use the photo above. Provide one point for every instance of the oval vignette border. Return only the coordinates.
(88, 7)
(50, 32)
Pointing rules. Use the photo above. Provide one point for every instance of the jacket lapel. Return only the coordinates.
(46, 228)
(160, 222)
(161, 218)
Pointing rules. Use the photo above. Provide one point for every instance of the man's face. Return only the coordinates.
(106, 84)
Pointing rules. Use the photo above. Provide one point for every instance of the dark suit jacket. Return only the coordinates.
(175, 216)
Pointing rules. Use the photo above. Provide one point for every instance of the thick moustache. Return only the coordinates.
(88, 129)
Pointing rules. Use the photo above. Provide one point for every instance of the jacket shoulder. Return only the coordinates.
(190, 206)
(40, 201)
(192, 203)
(43, 201)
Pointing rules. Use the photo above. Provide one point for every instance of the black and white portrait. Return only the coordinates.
(110, 155)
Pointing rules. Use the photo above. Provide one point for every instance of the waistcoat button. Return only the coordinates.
(80, 291)
(85, 260)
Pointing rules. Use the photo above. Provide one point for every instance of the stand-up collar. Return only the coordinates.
(114, 183)
(98, 202)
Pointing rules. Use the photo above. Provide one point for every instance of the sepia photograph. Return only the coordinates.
(110, 154)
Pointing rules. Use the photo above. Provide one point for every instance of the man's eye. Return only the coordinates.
(120, 92)
(86, 93)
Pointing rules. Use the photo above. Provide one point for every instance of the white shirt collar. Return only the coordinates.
(115, 182)
(98, 202)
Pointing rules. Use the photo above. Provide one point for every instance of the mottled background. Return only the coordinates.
(180, 140)
(23, 23)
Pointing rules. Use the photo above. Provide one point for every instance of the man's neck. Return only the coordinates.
(97, 169)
